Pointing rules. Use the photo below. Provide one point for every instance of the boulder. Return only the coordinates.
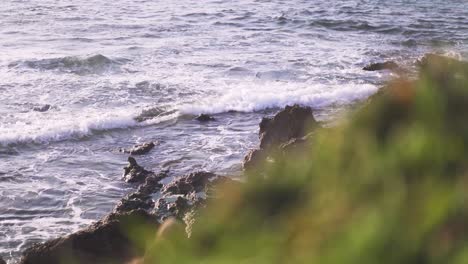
(379, 66)
(140, 149)
(134, 172)
(290, 124)
(106, 241)
(205, 118)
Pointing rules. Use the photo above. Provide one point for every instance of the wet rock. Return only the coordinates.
(194, 182)
(149, 114)
(134, 172)
(43, 108)
(2, 261)
(205, 118)
(379, 66)
(141, 199)
(294, 122)
(106, 241)
(140, 149)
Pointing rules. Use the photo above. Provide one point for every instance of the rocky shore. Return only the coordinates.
(157, 202)
(154, 203)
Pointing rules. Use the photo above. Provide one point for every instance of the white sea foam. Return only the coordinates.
(276, 95)
(49, 127)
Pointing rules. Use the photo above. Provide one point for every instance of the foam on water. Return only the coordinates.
(276, 95)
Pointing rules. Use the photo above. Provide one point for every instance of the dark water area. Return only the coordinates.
(74, 75)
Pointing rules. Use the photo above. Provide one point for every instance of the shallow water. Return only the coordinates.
(99, 64)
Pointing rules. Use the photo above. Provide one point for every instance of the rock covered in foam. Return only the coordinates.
(205, 118)
(42, 108)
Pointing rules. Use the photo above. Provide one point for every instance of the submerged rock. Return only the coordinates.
(140, 149)
(134, 172)
(205, 118)
(107, 241)
(388, 65)
(43, 108)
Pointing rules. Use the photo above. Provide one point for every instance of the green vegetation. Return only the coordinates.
(388, 186)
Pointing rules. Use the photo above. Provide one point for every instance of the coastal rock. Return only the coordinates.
(292, 123)
(106, 241)
(134, 172)
(194, 182)
(254, 158)
(379, 66)
(141, 199)
(43, 108)
(140, 149)
(205, 118)
(2, 261)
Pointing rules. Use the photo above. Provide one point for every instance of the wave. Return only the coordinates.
(75, 126)
(246, 99)
(95, 64)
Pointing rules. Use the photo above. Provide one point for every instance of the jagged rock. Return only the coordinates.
(43, 108)
(106, 241)
(141, 199)
(140, 149)
(134, 172)
(388, 65)
(205, 118)
(194, 182)
(294, 122)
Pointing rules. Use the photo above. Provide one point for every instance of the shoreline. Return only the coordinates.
(287, 132)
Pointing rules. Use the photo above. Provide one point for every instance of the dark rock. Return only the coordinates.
(141, 199)
(254, 158)
(292, 122)
(106, 241)
(43, 108)
(140, 149)
(388, 65)
(297, 145)
(134, 172)
(194, 182)
(2, 261)
(205, 118)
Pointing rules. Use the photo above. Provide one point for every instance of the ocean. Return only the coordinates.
(75, 75)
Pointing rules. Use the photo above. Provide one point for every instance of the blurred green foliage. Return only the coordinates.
(388, 185)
